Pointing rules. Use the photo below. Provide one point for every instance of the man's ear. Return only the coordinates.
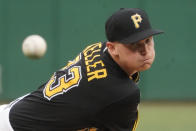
(111, 48)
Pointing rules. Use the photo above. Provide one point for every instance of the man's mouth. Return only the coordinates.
(147, 60)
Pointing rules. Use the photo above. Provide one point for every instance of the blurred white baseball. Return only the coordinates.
(34, 46)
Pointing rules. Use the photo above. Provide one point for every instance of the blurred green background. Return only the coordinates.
(167, 116)
(69, 25)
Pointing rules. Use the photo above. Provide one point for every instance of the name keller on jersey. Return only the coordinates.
(95, 69)
(89, 56)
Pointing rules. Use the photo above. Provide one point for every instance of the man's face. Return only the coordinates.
(137, 56)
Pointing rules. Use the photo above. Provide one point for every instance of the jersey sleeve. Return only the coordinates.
(119, 116)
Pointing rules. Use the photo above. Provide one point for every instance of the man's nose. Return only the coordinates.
(144, 50)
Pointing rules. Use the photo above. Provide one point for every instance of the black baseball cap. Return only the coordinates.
(129, 25)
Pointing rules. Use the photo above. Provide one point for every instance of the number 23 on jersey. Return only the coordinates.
(57, 86)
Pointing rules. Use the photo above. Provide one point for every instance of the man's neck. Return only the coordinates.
(116, 59)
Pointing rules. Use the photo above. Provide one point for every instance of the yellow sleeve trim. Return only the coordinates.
(136, 122)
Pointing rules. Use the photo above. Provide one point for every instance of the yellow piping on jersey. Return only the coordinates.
(136, 122)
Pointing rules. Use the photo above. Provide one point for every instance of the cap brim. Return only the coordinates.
(140, 36)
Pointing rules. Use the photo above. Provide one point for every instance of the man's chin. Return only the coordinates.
(145, 67)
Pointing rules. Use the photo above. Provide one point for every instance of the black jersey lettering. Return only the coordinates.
(88, 61)
(92, 48)
(87, 57)
(63, 83)
(94, 66)
(98, 74)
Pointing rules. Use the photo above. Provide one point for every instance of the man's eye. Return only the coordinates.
(147, 40)
(135, 47)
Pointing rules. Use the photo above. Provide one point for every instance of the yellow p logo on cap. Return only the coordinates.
(136, 20)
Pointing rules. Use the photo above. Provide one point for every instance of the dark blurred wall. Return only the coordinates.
(69, 25)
